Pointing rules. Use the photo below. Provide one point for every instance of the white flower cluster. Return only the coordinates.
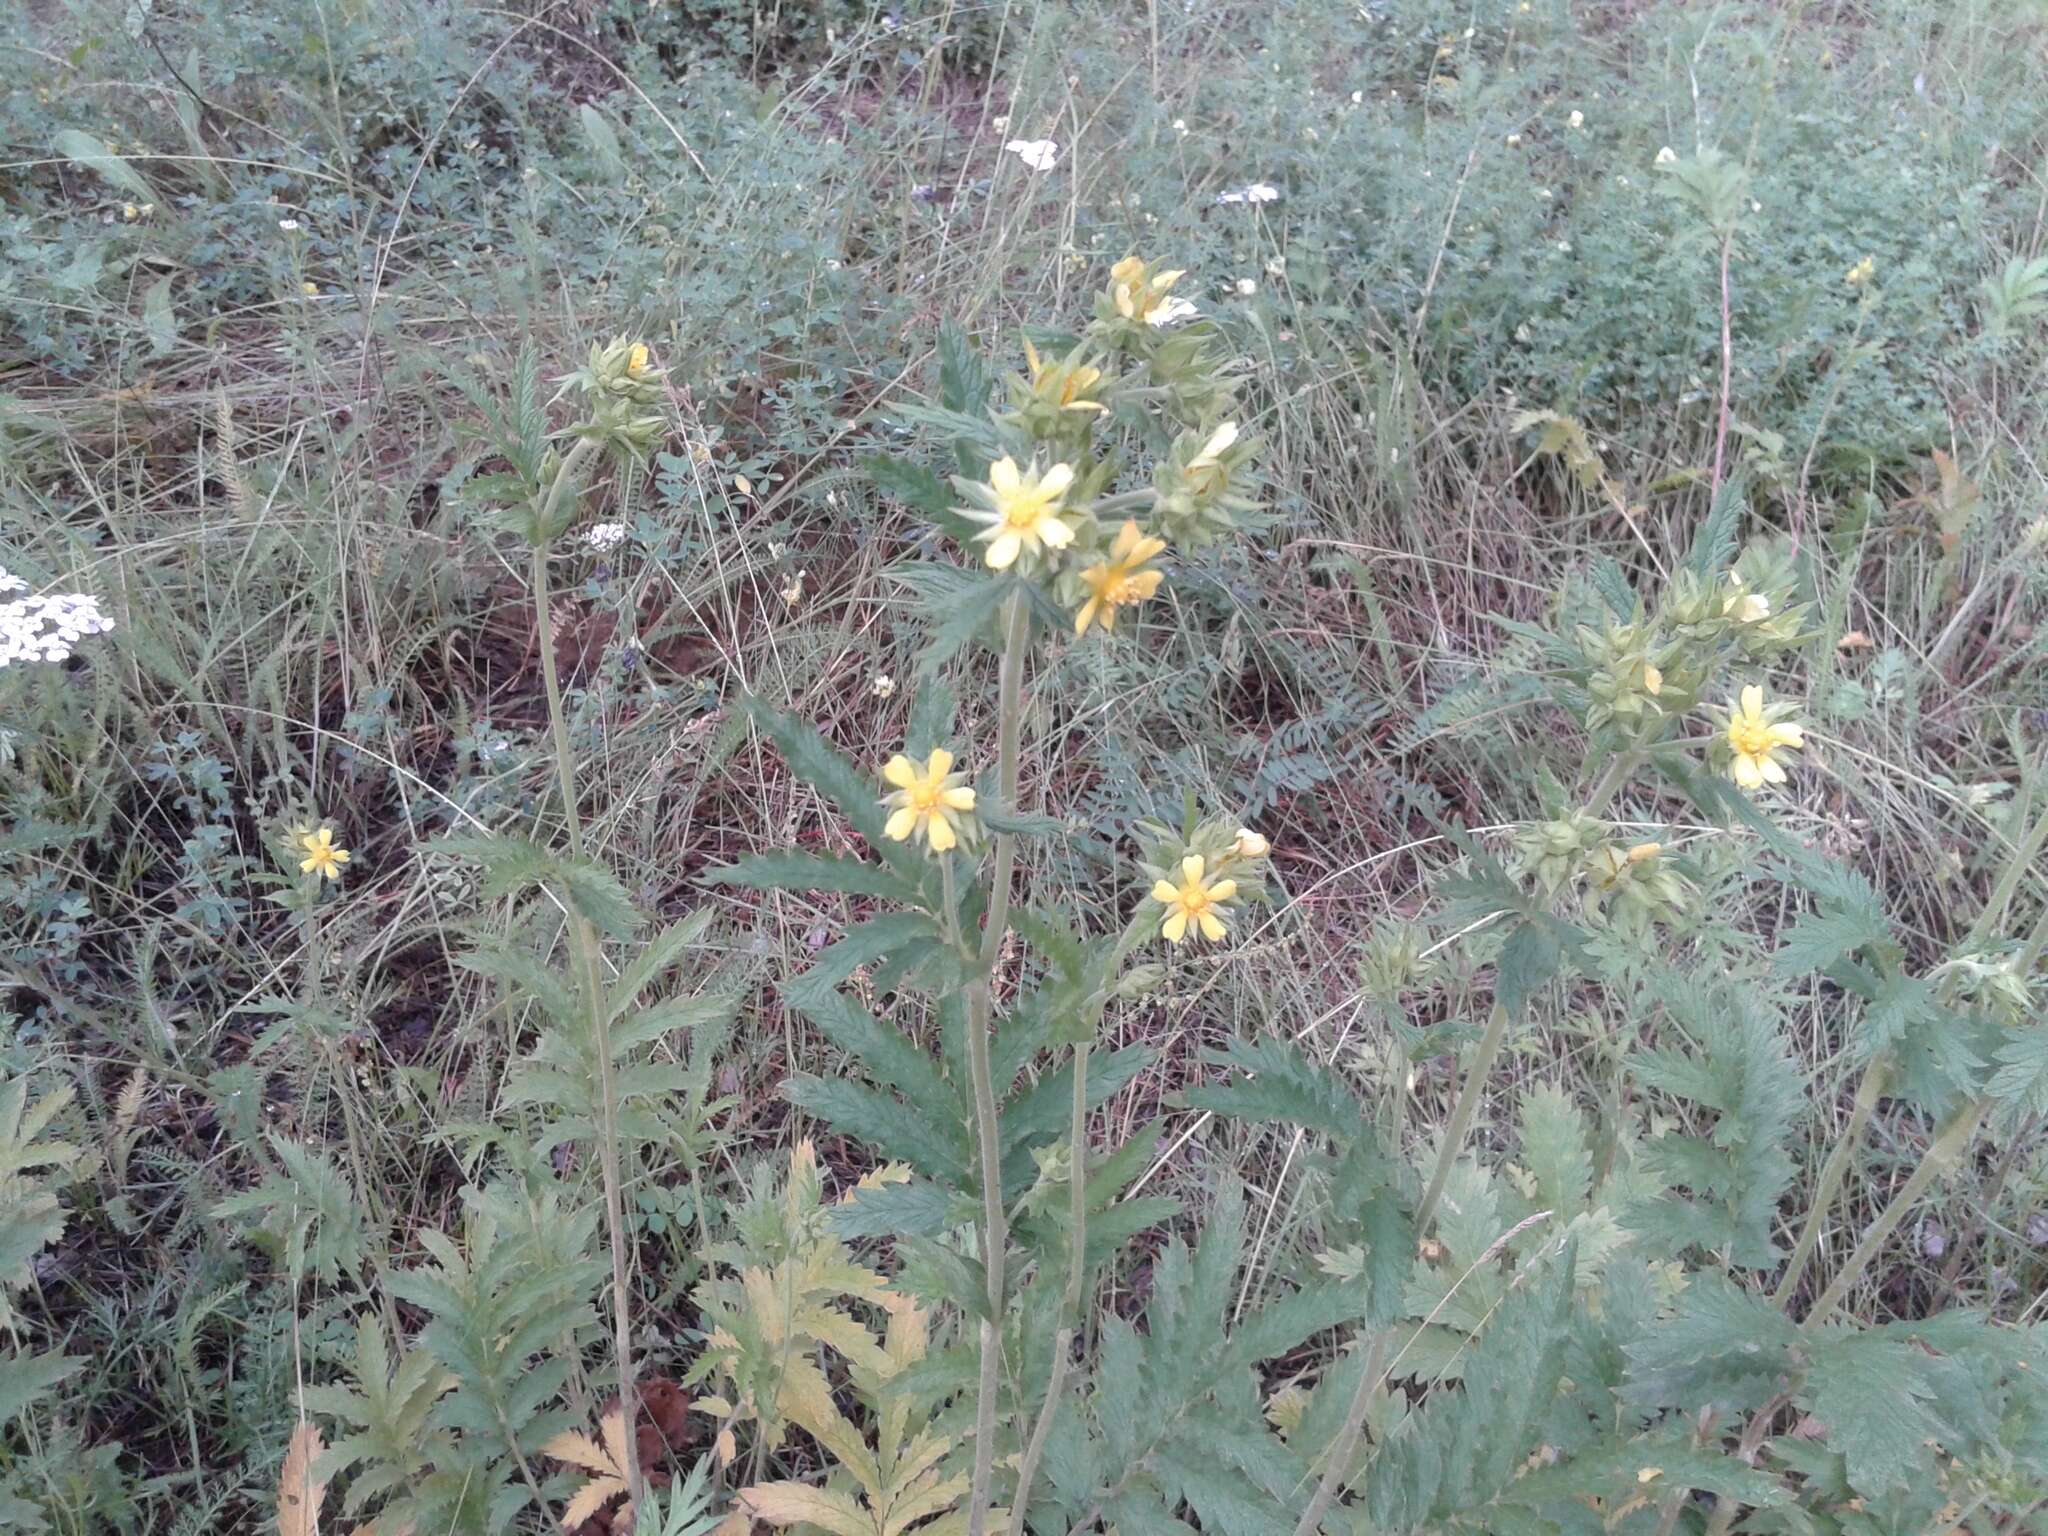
(37, 628)
(1257, 192)
(603, 537)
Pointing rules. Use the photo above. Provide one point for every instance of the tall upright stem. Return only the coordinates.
(584, 939)
(1070, 1297)
(995, 1235)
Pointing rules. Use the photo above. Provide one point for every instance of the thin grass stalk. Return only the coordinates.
(1941, 1155)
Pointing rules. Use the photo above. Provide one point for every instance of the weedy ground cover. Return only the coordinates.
(1245, 769)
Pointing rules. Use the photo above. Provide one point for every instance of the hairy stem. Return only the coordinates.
(980, 1006)
(584, 939)
(1070, 1298)
(1727, 367)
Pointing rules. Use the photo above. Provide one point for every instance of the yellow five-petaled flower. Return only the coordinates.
(1194, 901)
(1062, 385)
(1026, 516)
(928, 799)
(1755, 739)
(1144, 296)
(322, 857)
(1120, 581)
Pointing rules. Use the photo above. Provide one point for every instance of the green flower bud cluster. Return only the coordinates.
(1202, 487)
(1633, 887)
(1396, 959)
(1633, 675)
(1553, 851)
(621, 388)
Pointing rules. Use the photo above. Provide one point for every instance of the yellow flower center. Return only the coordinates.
(1024, 512)
(1751, 738)
(1194, 900)
(924, 797)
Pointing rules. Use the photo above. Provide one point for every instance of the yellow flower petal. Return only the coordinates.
(1166, 891)
(939, 764)
(958, 799)
(1223, 890)
(1175, 928)
(940, 833)
(900, 771)
(1191, 868)
(1003, 475)
(1212, 926)
(901, 824)
(1003, 550)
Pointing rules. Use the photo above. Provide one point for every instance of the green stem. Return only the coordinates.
(980, 1006)
(584, 940)
(1941, 1155)
(1875, 1075)
(1070, 1298)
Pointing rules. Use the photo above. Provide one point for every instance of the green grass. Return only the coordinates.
(270, 489)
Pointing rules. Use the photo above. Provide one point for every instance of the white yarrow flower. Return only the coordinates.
(884, 686)
(1667, 156)
(1039, 154)
(1254, 192)
(604, 537)
(289, 226)
(1576, 120)
(45, 628)
(1246, 287)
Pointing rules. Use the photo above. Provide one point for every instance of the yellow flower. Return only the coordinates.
(928, 799)
(1756, 739)
(1194, 901)
(1026, 515)
(1642, 851)
(1121, 581)
(1144, 297)
(1653, 678)
(1861, 273)
(636, 360)
(1060, 385)
(1746, 607)
(322, 857)
(1250, 844)
(1207, 473)
(310, 290)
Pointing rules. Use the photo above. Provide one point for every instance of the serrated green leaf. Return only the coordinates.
(24, 1378)
(806, 872)
(1874, 1402)
(596, 895)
